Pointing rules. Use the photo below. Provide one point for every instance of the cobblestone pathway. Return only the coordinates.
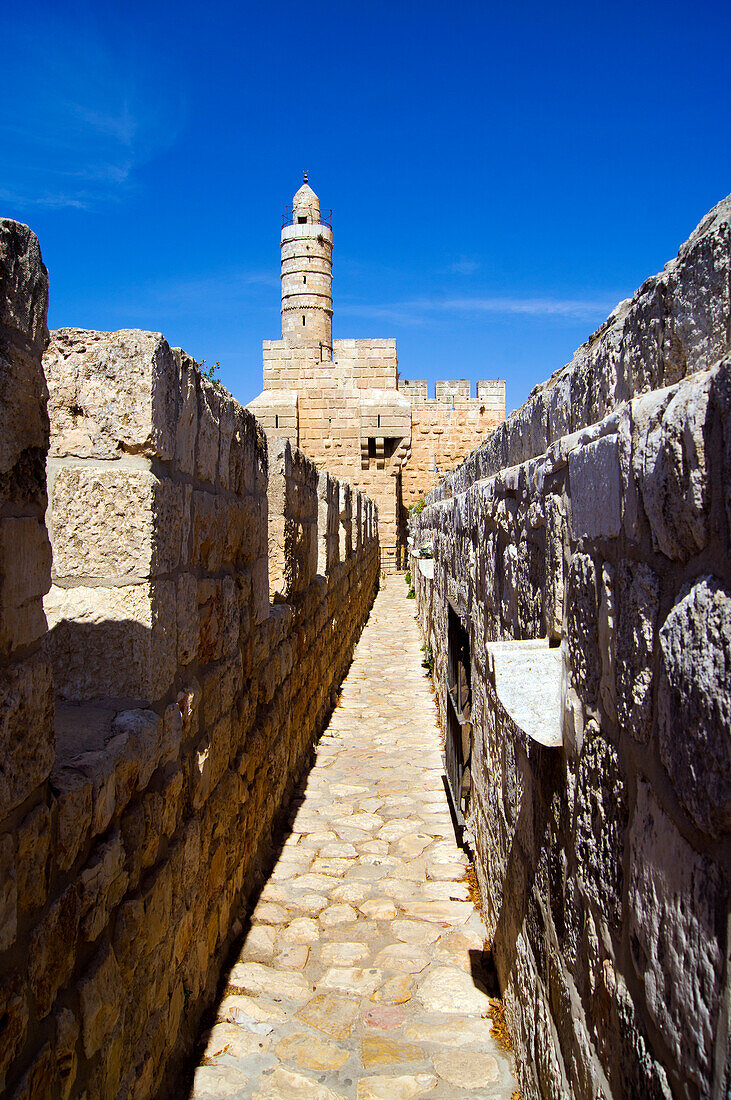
(355, 979)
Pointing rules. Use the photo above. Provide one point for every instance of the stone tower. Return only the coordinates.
(307, 247)
(341, 401)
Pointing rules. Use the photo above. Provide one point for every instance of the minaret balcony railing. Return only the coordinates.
(326, 218)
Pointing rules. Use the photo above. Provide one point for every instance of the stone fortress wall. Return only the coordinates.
(445, 428)
(597, 519)
(136, 824)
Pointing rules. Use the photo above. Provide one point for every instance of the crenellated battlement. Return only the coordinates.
(490, 392)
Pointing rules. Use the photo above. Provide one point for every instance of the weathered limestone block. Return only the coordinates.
(677, 914)
(74, 798)
(26, 730)
(102, 884)
(556, 553)
(100, 996)
(637, 606)
(114, 522)
(67, 1034)
(52, 952)
(608, 642)
(582, 627)
(600, 822)
(138, 368)
(187, 424)
(140, 735)
(25, 569)
(670, 465)
(90, 626)
(641, 365)
(694, 703)
(596, 494)
(209, 431)
(8, 893)
(23, 338)
(34, 841)
(40, 1078)
(188, 625)
(699, 291)
(14, 1014)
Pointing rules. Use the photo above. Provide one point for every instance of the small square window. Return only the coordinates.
(301, 220)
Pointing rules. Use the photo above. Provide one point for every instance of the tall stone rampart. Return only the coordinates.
(26, 687)
(135, 829)
(578, 606)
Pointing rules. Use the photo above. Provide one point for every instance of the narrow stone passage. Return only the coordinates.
(356, 977)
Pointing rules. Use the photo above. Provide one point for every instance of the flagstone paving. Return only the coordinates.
(356, 977)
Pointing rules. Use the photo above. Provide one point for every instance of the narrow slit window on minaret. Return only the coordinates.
(303, 319)
(304, 278)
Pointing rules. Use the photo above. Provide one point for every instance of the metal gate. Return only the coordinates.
(393, 559)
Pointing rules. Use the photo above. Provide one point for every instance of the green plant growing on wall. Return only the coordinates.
(209, 371)
(407, 578)
(417, 508)
(411, 594)
(428, 662)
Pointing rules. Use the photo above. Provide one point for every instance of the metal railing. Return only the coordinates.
(326, 218)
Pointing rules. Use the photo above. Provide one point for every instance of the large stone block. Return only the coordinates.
(600, 818)
(209, 432)
(52, 953)
(694, 703)
(582, 627)
(637, 605)
(111, 393)
(187, 425)
(114, 522)
(596, 494)
(100, 997)
(696, 334)
(677, 905)
(26, 730)
(14, 1014)
(8, 892)
(670, 464)
(90, 627)
(23, 337)
(34, 842)
(25, 577)
(187, 618)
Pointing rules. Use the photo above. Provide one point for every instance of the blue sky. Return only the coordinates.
(500, 175)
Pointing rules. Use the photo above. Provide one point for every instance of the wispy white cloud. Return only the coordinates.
(44, 200)
(419, 310)
(104, 107)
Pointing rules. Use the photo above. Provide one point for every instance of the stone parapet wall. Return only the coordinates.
(444, 432)
(675, 324)
(598, 517)
(187, 703)
(26, 686)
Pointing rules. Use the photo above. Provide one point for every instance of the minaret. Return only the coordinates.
(307, 246)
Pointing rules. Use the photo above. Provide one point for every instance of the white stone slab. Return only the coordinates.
(526, 677)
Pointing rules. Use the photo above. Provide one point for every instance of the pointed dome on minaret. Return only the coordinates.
(305, 205)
